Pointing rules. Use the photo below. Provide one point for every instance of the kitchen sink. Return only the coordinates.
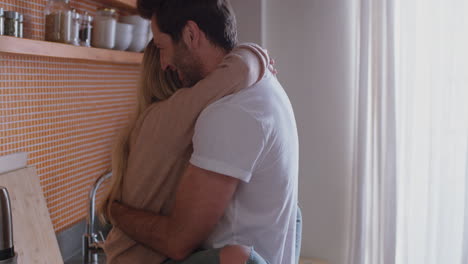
(78, 259)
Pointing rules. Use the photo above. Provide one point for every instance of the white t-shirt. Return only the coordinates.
(252, 136)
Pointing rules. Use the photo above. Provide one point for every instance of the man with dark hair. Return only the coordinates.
(240, 190)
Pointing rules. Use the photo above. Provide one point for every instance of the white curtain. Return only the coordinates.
(432, 131)
(374, 184)
(410, 175)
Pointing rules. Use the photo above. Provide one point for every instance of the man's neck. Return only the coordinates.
(211, 58)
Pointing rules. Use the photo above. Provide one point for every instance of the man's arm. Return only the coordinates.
(201, 199)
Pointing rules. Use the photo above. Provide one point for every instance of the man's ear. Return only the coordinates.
(191, 35)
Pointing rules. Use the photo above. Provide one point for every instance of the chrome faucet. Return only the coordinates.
(92, 245)
(7, 250)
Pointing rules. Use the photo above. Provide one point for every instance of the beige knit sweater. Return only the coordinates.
(161, 145)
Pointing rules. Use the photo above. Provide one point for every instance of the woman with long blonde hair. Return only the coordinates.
(154, 85)
(152, 152)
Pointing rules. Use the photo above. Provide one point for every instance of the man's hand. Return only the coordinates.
(201, 199)
(143, 226)
(271, 66)
(117, 211)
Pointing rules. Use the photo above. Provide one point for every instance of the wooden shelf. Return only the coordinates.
(123, 4)
(20, 46)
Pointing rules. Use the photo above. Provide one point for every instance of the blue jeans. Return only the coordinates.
(211, 256)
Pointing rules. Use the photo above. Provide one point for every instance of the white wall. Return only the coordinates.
(311, 43)
(250, 22)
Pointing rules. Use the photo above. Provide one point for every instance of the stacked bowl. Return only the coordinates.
(139, 33)
(123, 36)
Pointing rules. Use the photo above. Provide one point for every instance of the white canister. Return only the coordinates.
(104, 29)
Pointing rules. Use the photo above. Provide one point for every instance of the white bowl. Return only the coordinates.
(123, 36)
(124, 27)
(140, 30)
(136, 20)
(139, 42)
(140, 25)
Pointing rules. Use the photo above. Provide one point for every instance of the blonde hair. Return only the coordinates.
(154, 85)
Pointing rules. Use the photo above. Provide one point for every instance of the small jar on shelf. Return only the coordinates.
(75, 28)
(2, 21)
(11, 23)
(105, 24)
(21, 26)
(85, 30)
(58, 21)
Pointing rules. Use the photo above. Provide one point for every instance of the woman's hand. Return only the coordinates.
(271, 66)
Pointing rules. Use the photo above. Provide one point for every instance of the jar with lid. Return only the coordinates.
(75, 28)
(20, 26)
(2, 21)
(11, 23)
(58, 21)
(105, 25)
(85, 31)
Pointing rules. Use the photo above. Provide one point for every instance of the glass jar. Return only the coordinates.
(11, 23)
(75, 28)
(20, 26)
(105, 25)
(85, 31)
(2, 21)
(58, 21)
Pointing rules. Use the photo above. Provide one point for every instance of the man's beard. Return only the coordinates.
(188, 65)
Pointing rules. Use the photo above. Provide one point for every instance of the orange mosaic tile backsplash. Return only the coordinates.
(64, 113)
